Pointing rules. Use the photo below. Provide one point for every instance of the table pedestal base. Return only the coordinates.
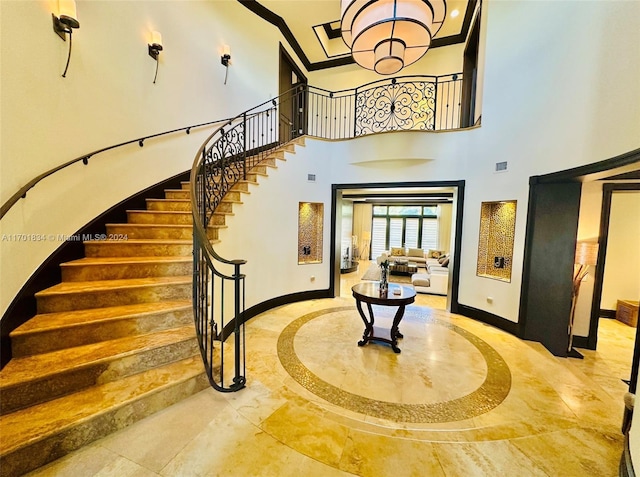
(394, 333)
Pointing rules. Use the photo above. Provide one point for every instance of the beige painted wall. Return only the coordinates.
(109, 97)
(444, 227)
(622, 268)
(362, 214)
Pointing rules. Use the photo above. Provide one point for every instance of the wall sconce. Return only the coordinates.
(155, 47)
(224, 59)
(65, 23)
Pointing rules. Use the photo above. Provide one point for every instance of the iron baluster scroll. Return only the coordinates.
(396, 105)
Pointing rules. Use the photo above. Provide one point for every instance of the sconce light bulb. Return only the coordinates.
(226, 55)
(156, 40)
(68, 14)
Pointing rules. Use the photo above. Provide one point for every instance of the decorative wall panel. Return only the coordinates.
(497, 232)
(310, 220)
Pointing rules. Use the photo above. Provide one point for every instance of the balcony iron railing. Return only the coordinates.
(228, 155)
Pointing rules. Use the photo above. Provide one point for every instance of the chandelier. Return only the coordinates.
(387, 35)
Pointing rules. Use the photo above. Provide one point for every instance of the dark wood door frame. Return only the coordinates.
(550, 243)
(596, 171)
(336, 197)
(469, 75)
(607, 194)
(292, 111)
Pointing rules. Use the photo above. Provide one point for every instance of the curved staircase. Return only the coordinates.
(115, 341)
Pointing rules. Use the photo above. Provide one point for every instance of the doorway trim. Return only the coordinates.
(598, 281)
(336, 196)
(596, 171)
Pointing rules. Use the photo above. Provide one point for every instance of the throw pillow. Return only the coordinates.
(445, 263)
(397, 252)
(435, 253)
(416, 252)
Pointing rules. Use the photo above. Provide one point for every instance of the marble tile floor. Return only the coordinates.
(530, 414)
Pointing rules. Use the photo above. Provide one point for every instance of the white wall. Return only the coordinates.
(264, 230)
(109, 97)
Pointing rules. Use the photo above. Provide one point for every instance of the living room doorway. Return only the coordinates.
(414, 217)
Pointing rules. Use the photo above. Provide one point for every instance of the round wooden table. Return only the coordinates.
(369, 293)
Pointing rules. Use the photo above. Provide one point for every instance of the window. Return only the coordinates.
(409, 226)
(378, 236)
(429, 234)
(411, 232)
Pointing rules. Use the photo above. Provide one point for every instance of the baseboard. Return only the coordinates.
(23, 307)
(608, 314)
(581, 342)
(267, 305)
(489, 318)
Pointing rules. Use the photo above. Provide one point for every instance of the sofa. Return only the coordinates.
(435, 277)
(419, 256)
(435, 280)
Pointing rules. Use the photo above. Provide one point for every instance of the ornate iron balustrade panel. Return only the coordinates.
(396, 106)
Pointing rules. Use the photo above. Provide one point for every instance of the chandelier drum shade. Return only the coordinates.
(387, 35)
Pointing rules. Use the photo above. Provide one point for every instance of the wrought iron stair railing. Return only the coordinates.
(425, 103)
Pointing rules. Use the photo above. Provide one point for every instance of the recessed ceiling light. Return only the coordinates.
(455, 13)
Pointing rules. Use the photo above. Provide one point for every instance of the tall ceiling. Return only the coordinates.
(311, 27)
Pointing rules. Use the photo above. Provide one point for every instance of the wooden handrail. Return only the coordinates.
(22, 192)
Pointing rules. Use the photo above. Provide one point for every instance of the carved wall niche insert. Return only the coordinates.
(310, 220)
(497, 233)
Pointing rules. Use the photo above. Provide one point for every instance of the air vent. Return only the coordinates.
(311, 177)
(501, 166)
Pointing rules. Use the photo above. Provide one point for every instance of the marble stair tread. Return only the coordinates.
(139, 241)
(112, 267)
(42, 421)
(169, 204)
(240, 186)
(159, 217)
(138, 247)
(162, 212)
(132, 259)
(159, 231)
(101, 285)
(159, 226)
(180, 201)
(42, 366)
(67, 319)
